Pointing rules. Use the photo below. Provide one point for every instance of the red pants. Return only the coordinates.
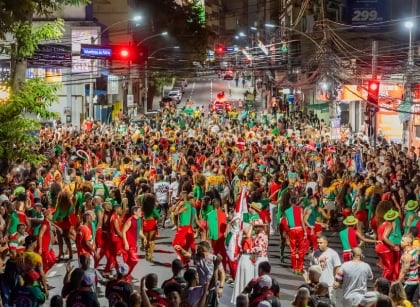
(312, 237)
(297, 248)
(184, 237)
(388, 263)
(48, 259)
(233, 267)
(130, 257)
(219, 248)
(114, 249)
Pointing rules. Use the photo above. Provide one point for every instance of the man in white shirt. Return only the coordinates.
(329, 261)
(353, 276)
(161, 189)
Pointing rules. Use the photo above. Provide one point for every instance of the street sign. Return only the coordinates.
(51, 55)
(95, 52)
(291, 98)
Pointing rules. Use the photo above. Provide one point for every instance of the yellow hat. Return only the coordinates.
(350, 220)
(411, 205)
(391, 215)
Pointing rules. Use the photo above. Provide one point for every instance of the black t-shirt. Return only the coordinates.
(118, 291)
(82, 298)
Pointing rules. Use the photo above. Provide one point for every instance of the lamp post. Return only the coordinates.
(93, 42)
(409, 25)
(145, 65)
(408, 98)
(146, 73)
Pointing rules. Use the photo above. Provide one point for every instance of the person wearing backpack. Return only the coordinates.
(119, 290)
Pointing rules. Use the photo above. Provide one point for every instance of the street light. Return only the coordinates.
(409, 25)
(152, 36)
(146, 73)
(93, 41)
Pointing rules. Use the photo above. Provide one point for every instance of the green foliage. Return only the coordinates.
(21, 11)
(34, 97)
(29, 36)
(184, 23)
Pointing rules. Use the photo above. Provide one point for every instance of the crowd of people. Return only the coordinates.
(224, 187)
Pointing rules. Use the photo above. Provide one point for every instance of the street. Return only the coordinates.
(164, 254)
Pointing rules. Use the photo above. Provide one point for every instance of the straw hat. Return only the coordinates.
(256, 206)
(411, 205)
(391, 215)
(350, 220)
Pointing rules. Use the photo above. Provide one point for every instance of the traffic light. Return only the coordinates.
(220, 49)
(129, 54)
(373, 91)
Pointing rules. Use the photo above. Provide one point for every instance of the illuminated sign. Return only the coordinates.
(95, 52)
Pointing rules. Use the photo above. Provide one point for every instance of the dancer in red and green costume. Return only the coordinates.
(283, 204)
(349, 237)
(198, 190)
(297, 235)
(150, 220)
(410, 218)
(184, 235)
(131, 232)
(61, 217)
(311, 216)
(217, 226)
(386, 248)
(45, 242)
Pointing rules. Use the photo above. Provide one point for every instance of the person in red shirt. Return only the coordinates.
(131, 231)
(274, 189)
(45, 241)
(84, 239)
(116, 236)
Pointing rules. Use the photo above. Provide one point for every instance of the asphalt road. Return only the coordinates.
(202, 90)
(164, 254)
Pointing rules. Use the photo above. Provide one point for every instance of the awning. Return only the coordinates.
(324, 107)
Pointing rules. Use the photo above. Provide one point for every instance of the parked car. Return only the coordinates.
(175, 95)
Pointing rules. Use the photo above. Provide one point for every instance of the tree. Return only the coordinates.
(27, 96)
(17, 132)
(184, 23)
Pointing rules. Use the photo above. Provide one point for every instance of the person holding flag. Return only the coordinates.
(232, 246)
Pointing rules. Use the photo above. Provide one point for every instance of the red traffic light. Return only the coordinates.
(373, 91)
(220, 49)
(128, 53)
(125, 53)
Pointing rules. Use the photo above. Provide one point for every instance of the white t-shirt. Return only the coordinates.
(355, 275)
(328, 260)
(161, 189)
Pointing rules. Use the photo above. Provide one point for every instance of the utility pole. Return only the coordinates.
(373, 110)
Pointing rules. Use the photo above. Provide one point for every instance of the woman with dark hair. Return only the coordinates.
(61, 217)
(55, 189)
(150, 220)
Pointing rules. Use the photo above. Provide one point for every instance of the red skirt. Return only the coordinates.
(149, 225)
